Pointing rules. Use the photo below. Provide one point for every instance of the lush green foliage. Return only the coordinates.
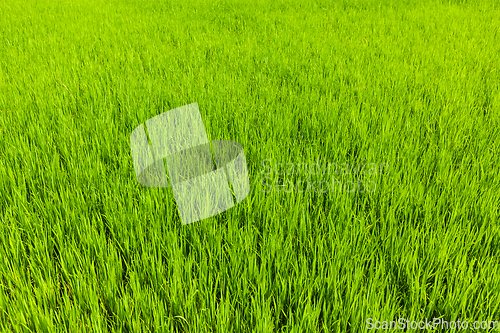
(414, 85)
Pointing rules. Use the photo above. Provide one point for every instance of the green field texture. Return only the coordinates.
(410, 88)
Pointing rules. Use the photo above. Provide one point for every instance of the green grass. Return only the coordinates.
(413, 84)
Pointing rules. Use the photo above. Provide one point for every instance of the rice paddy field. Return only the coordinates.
(371, 132)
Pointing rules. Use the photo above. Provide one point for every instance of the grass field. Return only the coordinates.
(408, 89)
